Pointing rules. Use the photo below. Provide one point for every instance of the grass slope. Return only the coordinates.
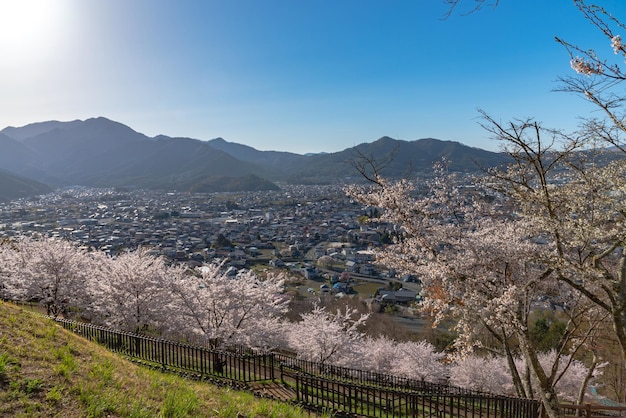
(46, 371)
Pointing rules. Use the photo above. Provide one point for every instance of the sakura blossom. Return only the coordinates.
(132, 292)
(325, 337)
(616, 44)
(228, 310)
(586, 67)
(482, 373)
(481, 265)
(417, 360)
(54, 272)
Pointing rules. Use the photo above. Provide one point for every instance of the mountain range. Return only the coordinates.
(99, 152)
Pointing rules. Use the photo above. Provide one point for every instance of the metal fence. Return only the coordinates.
(371, 378)
(370, 401)
(172, 355)
(348, 391)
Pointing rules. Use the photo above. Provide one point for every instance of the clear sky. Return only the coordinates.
(292, 75)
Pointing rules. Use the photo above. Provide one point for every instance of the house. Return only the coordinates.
(368, 270)
(276, 262)
(342, 288)
(396, 296)
(309, 273)
(351, 266)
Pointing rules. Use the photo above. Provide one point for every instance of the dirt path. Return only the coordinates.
(275, 391)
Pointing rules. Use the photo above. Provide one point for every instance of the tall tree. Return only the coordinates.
(228, 310)
(132, 292)
(481, 263)
(53, 272)
(574, 196)
(326, 337)
(411, 359)
(488, 373)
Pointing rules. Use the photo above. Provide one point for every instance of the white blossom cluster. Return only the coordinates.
(616, 44)
(490, 266)
(140, 292)
(489, 374)
(585, 66)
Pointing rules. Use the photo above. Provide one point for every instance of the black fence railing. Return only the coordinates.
(370, 378)
(389, 403)
(179, 357)
(320, 386)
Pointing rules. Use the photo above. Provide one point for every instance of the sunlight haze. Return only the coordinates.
(299, 76)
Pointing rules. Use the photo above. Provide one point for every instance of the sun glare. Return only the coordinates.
(26, 26)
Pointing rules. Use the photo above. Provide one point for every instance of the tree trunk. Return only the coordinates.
(585, 382)
(619, 306)
(517, 381)
(545, 387)
(528, 384)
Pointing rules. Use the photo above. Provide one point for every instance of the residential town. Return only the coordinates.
(317, 232)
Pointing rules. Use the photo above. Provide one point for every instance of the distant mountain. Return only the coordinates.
(232, 184)
(284, 161)
(395, 159)
(100, 152)
(17, 157)
(15, 187)
(35, 129)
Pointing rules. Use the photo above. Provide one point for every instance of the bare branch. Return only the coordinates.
(478, 5)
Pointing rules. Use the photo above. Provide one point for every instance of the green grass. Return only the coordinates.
(366, 289)
(46, 371)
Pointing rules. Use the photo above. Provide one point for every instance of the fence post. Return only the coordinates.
(282, 378)
(162, 345)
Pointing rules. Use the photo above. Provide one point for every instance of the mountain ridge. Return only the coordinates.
(100, 152)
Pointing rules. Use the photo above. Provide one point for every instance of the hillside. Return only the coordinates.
(47, 371)
(15, 187)
(396, 158)
(283, 161)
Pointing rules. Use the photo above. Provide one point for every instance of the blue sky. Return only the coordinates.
(292, 75)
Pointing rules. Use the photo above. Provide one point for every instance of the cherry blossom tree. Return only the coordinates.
(481, 264)
(488, 373)
(599, 80)
(132, 292)
(583, 217)
(418, 360)
(374, 354)
(484, 373)
(53, 272)
(326, 338)
(582, 221)
(229, 310)
(411, 359)
(7, 291)
(570, 373)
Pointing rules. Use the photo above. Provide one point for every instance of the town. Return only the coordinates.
(316, 232)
